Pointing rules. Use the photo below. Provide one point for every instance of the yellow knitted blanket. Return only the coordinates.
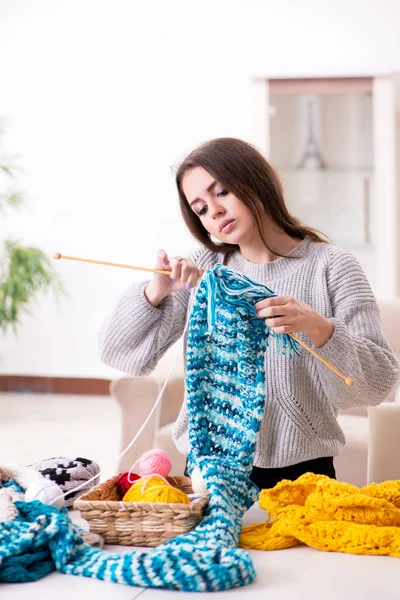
(328, 515)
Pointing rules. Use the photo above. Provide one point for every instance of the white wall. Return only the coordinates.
(102, 97)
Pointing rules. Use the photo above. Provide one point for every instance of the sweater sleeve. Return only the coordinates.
(136, 334)
(358, 347)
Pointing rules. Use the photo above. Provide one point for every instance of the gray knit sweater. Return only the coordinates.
(302, 396)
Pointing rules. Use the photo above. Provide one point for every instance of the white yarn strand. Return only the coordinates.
(157, 402)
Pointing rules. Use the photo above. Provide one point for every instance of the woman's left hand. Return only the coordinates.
(285, 314)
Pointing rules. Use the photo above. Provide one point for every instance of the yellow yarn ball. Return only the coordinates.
(139, 487)
(165, 493)
(154, 489)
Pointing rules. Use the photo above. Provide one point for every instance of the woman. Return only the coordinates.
(232, 202)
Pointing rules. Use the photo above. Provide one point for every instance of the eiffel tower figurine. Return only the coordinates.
(312, 158)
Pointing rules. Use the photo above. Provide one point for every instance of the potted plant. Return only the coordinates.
(25, 271)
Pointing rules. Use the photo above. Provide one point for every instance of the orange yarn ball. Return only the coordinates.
(154, 489)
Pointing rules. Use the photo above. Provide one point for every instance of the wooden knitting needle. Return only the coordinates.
(347, 380)
(57, 256)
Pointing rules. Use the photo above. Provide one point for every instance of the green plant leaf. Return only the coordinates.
(7, 170)
(13, 199)
(25, 272)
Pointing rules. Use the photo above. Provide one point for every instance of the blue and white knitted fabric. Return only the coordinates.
(225, 394)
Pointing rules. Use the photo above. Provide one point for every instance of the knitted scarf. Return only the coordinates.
(328, 515)
(225, 394)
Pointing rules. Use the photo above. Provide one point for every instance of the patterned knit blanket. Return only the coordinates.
(225, 394)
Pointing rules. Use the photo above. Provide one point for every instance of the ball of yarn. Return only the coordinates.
(155, 461)
(198, 485)
(69, 474)
(124, 484)
(35, 485)
(46, 491)
(165, 493)
(137, 489)
(155, 489)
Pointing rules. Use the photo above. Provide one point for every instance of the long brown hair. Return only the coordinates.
(244, 172)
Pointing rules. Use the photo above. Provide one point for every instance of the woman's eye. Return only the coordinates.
(222, 193)
(202, 211)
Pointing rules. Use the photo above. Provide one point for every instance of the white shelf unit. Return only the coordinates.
(355, 197)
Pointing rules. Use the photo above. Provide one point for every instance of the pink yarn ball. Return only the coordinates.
(155, 461)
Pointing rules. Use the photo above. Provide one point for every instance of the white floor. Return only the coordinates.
(301, 573)
(33, 427)
(38, 426)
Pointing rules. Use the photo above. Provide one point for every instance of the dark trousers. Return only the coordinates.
(268, 478)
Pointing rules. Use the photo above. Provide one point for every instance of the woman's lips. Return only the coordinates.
(227, 228)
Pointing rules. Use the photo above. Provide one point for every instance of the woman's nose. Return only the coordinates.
(217, 210)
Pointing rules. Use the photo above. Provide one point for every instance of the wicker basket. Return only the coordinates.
(138, 523)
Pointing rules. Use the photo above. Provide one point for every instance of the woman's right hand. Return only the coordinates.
(184, 275)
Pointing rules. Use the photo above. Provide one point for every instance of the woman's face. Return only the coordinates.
(222, 214)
